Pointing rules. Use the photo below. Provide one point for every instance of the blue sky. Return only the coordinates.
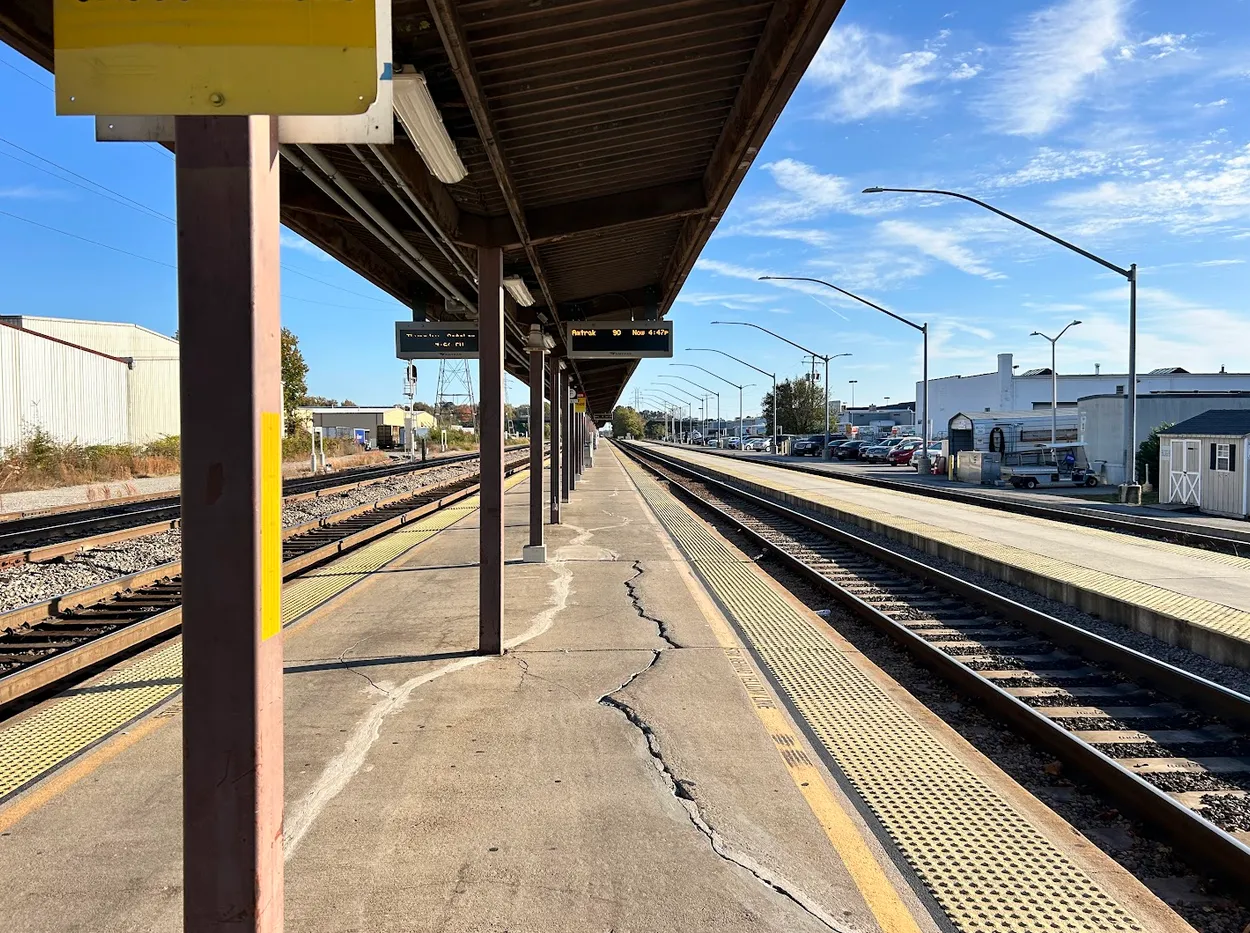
(1124, 126)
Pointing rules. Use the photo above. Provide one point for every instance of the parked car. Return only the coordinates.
(713, 442)
(756, 444)
(810, 446)
(878, 452)
(733, 443)
(848, 450)
(814, 445)
(901, 454)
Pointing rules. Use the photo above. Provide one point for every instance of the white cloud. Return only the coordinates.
(1204, 191)
(1222, 262)
(762, 228)
(1057, 53)
(1222, 102)
(964, 72)
(32, 193)
(867, 73)
(1172, 331)
(1049, 165)
(300, 245)
(942, 245)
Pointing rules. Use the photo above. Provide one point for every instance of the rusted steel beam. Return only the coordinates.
(446, 16)
(490, 422)
(228, 312)
(27, 26)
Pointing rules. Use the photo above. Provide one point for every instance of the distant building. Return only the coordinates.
(90, 382)
(1104, 422)
(1007, 390)
(877, 419)
(345, 422)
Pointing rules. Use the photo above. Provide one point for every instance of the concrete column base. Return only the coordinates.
(1130, 494)
(534, 554)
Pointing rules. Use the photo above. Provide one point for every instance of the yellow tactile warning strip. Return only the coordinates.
(1227, 621)
(82, 717)
(984, 862)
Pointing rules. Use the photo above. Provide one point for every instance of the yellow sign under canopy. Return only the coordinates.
(215, 57)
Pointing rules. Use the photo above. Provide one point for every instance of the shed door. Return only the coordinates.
(1185, 478)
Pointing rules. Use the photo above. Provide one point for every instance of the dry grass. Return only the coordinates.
(39, 462)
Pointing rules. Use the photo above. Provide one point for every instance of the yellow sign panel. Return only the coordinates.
(270, 524)
(215, 57)
(579, 405)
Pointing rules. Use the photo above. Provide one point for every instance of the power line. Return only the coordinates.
(75, 236)
(95, 184)
(149, 259)
(131, 203)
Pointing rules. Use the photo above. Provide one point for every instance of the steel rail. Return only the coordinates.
(46, 536)
(127, 596)
(1203, 842)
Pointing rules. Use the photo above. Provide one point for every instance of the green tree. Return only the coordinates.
(294, 381)
(317, 401)
(800, 406)
(627, 421)
(1148, 454)
(423, 406)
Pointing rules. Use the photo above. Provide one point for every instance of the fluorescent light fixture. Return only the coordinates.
(518, 290)
(424, 125)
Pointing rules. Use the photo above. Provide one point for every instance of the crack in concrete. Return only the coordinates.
(635, 598)
(681, 790)
(342, 660)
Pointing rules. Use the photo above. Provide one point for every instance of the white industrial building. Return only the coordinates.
(90, 382)
(1007, 390)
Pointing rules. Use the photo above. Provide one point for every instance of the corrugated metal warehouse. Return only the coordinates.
(150, 364)
(72, 393)
(1203, 463)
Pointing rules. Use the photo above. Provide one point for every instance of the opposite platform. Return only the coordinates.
(1182, 595)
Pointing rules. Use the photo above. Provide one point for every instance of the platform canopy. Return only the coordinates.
(603, 140)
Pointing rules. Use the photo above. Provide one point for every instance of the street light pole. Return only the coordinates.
(727, 382)
(852, 382)
(1054, 380)
(773, 376)
(826, 445)
(704, 388)
(922, 464)
(702, 400)
(1130, 491)
(672, 398)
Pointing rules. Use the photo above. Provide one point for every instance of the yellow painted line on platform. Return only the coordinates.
(1228, 621)
(986, 863)
(43, 741)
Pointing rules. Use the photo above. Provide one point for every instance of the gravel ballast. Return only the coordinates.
(30, 583)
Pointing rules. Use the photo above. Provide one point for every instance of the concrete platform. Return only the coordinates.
(625, 767)
(1190, 597)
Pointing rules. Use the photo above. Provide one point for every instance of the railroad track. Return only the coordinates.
(44, 645)
(49, 535)
(1071, 512)
(1168, 747)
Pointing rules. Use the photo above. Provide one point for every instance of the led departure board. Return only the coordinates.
(626, 339)
(434, 340)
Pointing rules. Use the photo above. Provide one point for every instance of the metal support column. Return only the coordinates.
(571, 446)
(228, 317)
(566, 411)
(557, 373)
(536, 550)
(490, 424)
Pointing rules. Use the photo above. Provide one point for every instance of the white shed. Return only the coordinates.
(1202, 462)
